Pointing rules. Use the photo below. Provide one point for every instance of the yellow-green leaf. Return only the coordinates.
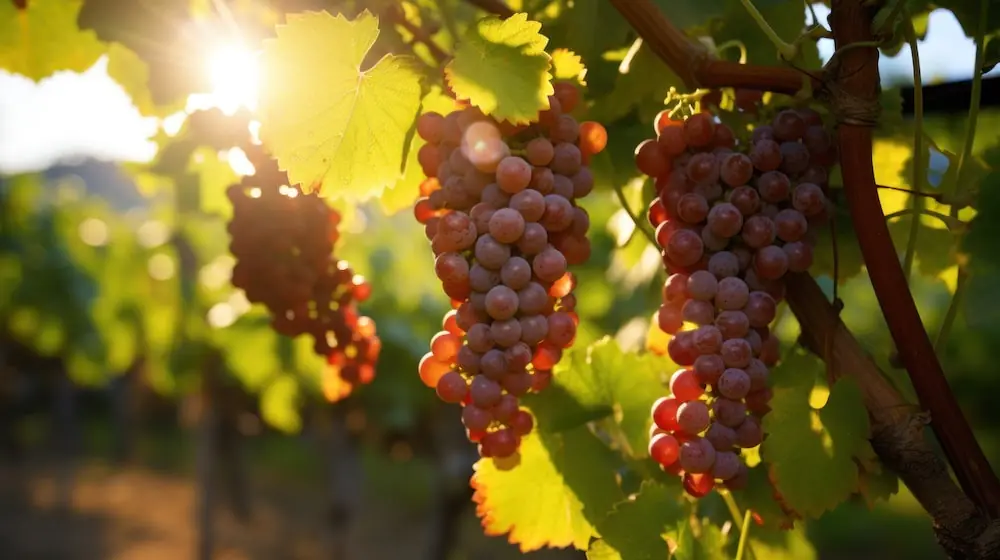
(44, 39)
(327, 120)
(501, 67)
(567, 65)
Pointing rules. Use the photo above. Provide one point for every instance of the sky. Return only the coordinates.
(87, 114)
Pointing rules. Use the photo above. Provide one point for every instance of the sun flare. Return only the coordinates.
(234, 73)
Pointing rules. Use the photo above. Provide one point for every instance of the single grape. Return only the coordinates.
(501, 302)
(765, 155)
(770, 263)
(451, 267)
(692, 417)
(703, 169)
(736, 170)
(518, 356)
(732, 324)
(815, 174)
(757, 402)
(482, 279)
(749, 434)
(533, 299)
(493, 364)
(788, 126)
(506, 333)
(505, 409)
(567, 159)
(817, 139)
(430, 127)
(549, 265)
(684, 385)
(697, 456)
(481, 214)
(671, 140)
(513, 174)
(491, 253)
(692, 208)
(724, 137)
(476, 418)
(445, 345)
(664, 449)
(506, 225)
(562, 329)
(800, 256)
(707, 339)
(734, 383)
(685, 247)
(708, 368)
(568, 96)
(670, 318)
(542, 180)
(728, 412)
(698, 312)
(790, 225)
(755, 342)
(774, 187)
(534, 329)
(480, 338)
(539, 151)
(698, 485)
(558, 214)
(664, 413)
(746, 199)
(809, 199)
(794, 157)
(758, 231)
(699, 129)
(681, 349)
(739, 482)
(736, 353)
(732, 294)
(650, 159)
(702, 285)
(727, 465)
(593, 137)
(770, 350)
(522, 422)
(565, 129)
(675, 289)
(725, 220)
(452, 387)
(431, 369)
(515, 273)
(502, 443)
(484, 392)
(721, 437)
(533, 240)
(581, 222)
(760, 309)
(713, 242)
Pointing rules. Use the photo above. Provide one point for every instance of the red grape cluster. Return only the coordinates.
(283, 243)
(499, 207)
(731, 221)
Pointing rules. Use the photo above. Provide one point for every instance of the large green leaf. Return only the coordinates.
(502, 68)
(561, 488)
(636, 528)
(330, 123)
(603, 381)
(44, 38)
(805, 444)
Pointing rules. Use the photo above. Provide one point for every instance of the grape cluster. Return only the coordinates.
(731, 221)
(499, 207)
(283, 242)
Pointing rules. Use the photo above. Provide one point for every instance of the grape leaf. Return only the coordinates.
(708, 543)
(635, 529)
(501, 67)
(406, 190)
(562, 486)
(645, 84)
(992, 56)
(758, 496)
(604, 380)
(567, 65)
(44, 38)
(980, 246)
(783, 545)
(327, 121)
(969, 14)
(804, 445)
(590, 28)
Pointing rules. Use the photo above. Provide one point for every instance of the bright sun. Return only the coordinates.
(235, 77)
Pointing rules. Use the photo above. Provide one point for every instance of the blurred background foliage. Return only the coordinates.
(119, 328)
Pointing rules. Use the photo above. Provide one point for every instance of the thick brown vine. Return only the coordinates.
(964, 522)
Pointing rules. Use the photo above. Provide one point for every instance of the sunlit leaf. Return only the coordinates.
(44, 39)
(502, 68)
(329, 122)
(636, 528)
(561, 487)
